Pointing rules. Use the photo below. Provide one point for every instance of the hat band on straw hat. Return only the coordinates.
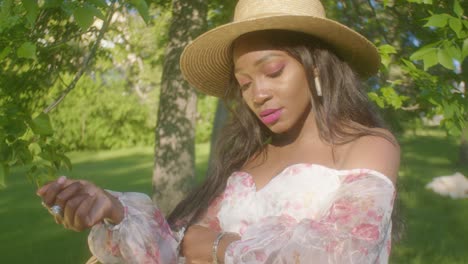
(206, 63)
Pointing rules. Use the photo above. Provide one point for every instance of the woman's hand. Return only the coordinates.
(197, 245)
(83, 204)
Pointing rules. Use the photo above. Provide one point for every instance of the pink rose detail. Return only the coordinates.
(342, 211)
(245, 249)
(364, 251)
(366, 232)
(260, 256)
(331, 246)
(247, 181)
(243, 227)
(354, 177)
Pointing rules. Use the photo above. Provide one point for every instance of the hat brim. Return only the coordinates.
(206, 62)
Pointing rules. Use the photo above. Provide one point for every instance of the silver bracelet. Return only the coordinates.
(215, 246)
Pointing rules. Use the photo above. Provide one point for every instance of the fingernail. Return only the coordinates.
(61, 179)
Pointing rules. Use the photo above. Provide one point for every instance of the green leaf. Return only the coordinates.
(66, 161)
(142, 8)
(457, 8)
(52, 3)
(32, 10)
(98, 3)
(439, 20)
(96, 12)
(41, 125)
(453, 51)
(430, 59)
(456, 25)
(387, 49)
(387, 3)
(22, 153)
(420, 53)
(376, 98)
(445, 59)
(84, 17)
(5, 53)
(465, 49)
(16, 128)
(385, 60)
(27, 50)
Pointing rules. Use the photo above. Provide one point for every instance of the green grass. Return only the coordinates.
(28, 233)
(436, 232)
(436, 227)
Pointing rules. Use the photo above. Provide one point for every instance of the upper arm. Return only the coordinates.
(375, 153)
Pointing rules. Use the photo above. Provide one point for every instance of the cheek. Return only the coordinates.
(245, 97)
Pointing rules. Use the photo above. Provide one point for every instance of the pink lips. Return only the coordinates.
(270, 116)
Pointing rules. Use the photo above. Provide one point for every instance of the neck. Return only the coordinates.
(305, 132)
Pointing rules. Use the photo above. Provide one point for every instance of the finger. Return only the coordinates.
(58, 219)
(67, 193)
(82, 220)
(70, 209)
(48, 197)
(44, 188)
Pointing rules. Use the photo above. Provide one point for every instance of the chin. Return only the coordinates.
(278, 128)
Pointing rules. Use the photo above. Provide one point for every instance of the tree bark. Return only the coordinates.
(174, 165)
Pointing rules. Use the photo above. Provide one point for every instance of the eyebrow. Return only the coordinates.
(262, 60)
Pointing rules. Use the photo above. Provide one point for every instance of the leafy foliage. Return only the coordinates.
(103, 114)
(423, 48)
(40, 43)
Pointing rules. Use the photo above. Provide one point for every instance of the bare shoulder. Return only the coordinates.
(374, 152)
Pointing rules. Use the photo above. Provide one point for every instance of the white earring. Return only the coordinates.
(318, 86)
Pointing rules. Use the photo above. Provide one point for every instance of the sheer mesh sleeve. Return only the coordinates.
(143, 236)
(353, 227)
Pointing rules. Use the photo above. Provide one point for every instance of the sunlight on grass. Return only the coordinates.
(433, 223)
(28, 233)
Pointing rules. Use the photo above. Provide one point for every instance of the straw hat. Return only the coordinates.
(207, 62)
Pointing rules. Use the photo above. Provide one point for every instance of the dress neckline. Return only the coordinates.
(312, 165)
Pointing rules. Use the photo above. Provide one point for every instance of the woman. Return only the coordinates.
(304, 171)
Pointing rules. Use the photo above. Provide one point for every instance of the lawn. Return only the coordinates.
(436, 230)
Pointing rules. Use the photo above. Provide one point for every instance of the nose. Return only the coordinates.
(260, 93)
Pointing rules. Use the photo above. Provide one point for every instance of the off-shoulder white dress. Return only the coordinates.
(306, 214)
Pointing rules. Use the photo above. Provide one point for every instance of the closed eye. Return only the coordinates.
(276, 73)
(244, 86)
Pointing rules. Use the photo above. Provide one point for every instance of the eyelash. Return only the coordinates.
(276, 73)
(271, 75)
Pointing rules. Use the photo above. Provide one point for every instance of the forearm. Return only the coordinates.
(142, 235)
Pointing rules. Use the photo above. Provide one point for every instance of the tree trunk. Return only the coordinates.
(174, 166)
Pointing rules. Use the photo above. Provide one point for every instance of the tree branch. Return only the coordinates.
(86, 62)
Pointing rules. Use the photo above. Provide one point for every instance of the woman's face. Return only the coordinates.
(273, 84)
